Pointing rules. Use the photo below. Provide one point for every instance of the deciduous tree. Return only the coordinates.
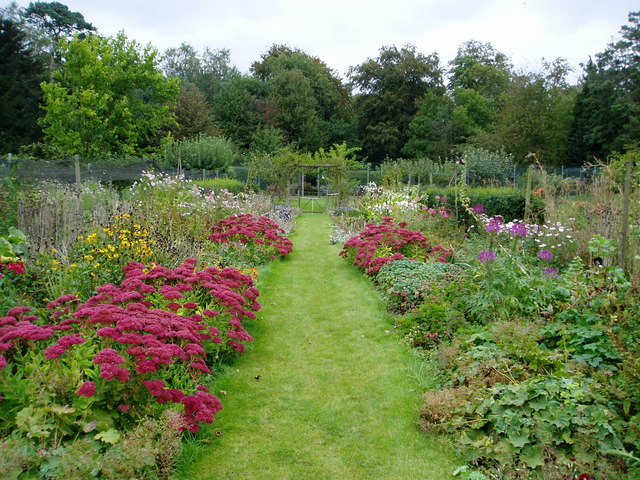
(389, 89)
(109, 96)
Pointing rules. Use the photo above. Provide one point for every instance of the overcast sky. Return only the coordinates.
(346, 33)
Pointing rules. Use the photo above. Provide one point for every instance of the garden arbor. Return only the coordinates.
(314, 204)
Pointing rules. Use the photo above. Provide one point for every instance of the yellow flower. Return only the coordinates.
(53, 250)
(55, 262)
(88, 257)
(135, 225)
(111, 248)
(73, 265)
(96, 265)
(116, 255)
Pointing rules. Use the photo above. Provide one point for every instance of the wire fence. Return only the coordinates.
(68, 171)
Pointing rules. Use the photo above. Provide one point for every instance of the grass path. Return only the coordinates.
(334, 398)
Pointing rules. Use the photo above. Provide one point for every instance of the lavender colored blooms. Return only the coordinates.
(486, 256)
(519, 229)
(478, 208)
(494, 225)
(545, 255)
(551, 272)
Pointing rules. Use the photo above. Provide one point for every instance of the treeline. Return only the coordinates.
(66, 89)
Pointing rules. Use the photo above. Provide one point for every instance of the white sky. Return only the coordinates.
(345, 33)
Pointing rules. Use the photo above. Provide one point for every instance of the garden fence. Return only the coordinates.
(67, 171)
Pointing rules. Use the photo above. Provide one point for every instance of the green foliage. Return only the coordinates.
(193, 114)
(341, 159)
(509, 203)
(481, 68)
(488, 165)
(200, 153)
(617, 167)
(391, 87)
(305, 100)
(20, 75)
(207, 72)
(430, 131)
(239, 109)
(606, 110)
(535, 116)
(229, 184)
(280, 169)
(108, 96)
(404, 282)
(12, 245)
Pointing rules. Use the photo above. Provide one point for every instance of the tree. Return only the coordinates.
(109, 96)
(280, 169)
(193, 114)
(58, 22)
(607, 110)
(309, 102)
(479, 66)
(240, 108)
(389, 89)
(535, 116)
(209, 71)
(295, 110)
(20, 94)
(430, 132)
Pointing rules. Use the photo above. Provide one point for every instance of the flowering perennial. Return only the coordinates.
(262, 234)
(159, 326)
(382, 243)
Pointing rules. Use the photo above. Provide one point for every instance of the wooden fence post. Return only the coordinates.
(624, 234)
(527, 198)
(76, 165)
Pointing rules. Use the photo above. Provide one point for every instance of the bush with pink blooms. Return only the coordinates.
(98, 367)
(248, 240)
(379, 244)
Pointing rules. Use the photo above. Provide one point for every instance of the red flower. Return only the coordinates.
(584, 476)
(16, 267)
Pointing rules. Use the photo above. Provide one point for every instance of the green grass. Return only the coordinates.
(337, 395)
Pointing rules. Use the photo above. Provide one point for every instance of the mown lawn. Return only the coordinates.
(326, 391)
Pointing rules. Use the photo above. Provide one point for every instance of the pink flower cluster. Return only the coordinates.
(247, 229)
(382, 243)
(155, 319)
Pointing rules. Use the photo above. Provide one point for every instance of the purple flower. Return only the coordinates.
(551, 272)
(478, 208)
(486, 256)
(519, 229)
(545, 255)
(494, 225)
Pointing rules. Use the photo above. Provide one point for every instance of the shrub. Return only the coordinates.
(383, 243)
(201, 153)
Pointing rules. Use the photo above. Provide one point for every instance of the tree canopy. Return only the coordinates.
(389, 88)
(109, 96)
(20, 94)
